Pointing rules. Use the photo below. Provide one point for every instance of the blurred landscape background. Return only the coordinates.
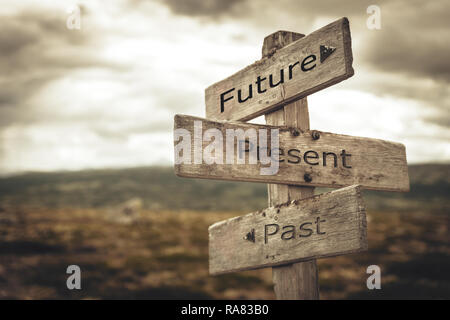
(142, 233)
(90, 85)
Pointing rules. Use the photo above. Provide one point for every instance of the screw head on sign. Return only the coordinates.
(315, 134)
(307, 177)
(295, 132)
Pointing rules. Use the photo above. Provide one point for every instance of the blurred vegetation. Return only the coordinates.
(49, 221)
(160, 188)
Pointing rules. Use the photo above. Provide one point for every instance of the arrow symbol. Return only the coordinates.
(325, 52)
(250, 236)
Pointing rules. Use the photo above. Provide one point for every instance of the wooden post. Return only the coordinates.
(298, 281)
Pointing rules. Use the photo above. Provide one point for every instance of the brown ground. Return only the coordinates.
(164, 255)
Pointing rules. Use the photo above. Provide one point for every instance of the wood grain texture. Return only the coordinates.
(278, 40)
(375, 164)
(295, 281)
(337, 67)
(341, 230)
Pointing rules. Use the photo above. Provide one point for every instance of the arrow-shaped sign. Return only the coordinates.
(326, 225)
(312, 63)
(309, 158)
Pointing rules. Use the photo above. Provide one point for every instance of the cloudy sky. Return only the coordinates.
(105, 95)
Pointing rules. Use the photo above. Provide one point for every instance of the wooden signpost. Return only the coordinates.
(309, 158)
(297, 227)
(325, 225)
(305, 66)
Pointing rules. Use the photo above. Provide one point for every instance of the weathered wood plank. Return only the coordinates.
(332, 160)
(312, 63)
(295, 281)
(326, 225)
(298, 281)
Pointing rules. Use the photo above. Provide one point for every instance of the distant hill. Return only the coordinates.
(159, 188)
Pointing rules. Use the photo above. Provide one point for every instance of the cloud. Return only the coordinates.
(37, 48)
(202, 8)
(94, 88)
(27, 40)
(433, 95)
(78, 98)
(412, 40)
(249, 9)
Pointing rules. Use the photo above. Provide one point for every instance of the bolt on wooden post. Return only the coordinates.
(298, 280)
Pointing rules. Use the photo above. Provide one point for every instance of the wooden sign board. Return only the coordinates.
(312, 63)
(310, 158)
(326, 225)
